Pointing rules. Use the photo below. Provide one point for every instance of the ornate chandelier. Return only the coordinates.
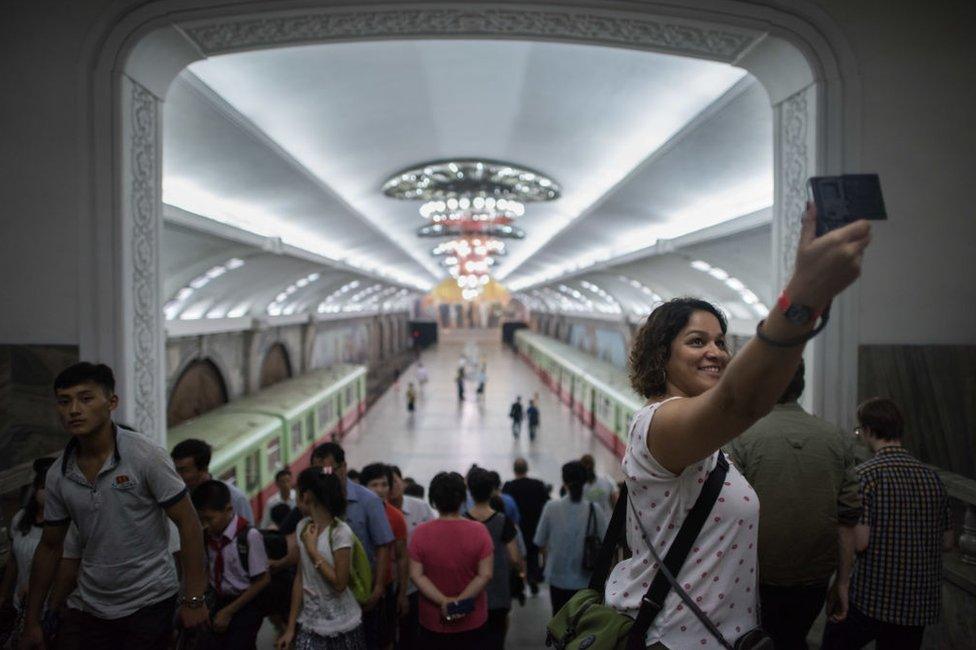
(476, 202)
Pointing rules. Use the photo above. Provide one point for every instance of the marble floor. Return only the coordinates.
(445, 434)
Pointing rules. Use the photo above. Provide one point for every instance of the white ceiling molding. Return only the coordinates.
(759, 219)
(745, 83)
(208, 94)
(662, 33)
(193, 221)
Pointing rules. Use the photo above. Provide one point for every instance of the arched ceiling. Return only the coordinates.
(288, 149)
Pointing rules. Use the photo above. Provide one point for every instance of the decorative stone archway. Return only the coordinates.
(797, 54)
(200, 388)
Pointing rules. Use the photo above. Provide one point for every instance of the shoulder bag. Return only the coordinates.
(586, 622)
(591, 541)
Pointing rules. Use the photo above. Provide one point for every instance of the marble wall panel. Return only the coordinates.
(935, 385)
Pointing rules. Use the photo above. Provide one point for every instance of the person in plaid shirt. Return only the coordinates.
(895, 588)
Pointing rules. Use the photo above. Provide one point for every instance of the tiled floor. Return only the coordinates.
(445, 434)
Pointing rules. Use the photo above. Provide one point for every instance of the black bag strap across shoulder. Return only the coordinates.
(653, 601)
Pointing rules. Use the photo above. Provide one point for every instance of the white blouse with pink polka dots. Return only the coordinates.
(720, 572)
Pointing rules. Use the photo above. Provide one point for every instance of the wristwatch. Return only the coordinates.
(796, 313)
(193, 601)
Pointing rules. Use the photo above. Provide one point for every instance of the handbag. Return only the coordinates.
(664, 581)
(587, 623)
(591, 541)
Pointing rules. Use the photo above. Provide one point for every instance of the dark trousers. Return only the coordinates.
(470, 640)
(560, 597)
(242, 632)
(148, 628)
(533, 572)
(495, 629)
(532, 430)
(859, 629)
(410, 624)
(788, 613)
(371, 626)
(516, 427)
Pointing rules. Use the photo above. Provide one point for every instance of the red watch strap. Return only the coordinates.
(783, 303)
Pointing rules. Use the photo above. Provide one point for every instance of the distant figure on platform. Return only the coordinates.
(411, 397)
(515, 413)
(482, 379)
(530, 496)
(422, 374)
(460, 383)
(599, 489)
(532, 413)
(285, 495)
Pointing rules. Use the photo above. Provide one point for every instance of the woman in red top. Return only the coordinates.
(451, 560)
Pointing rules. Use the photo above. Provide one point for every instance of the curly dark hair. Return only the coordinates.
(651, 348)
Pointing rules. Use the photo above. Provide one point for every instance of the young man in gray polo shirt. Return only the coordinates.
(117, 487)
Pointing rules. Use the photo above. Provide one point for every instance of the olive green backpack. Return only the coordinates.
(360, 573)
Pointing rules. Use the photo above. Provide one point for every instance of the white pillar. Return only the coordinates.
(141, 373)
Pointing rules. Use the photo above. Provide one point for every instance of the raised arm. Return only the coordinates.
(685, 431)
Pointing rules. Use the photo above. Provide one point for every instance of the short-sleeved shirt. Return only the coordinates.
(600, 491)
(898, 577)
(22, 547)
(502, 531)
(398, 524)
(121, 522)
(802, 468)
(720, 571)
(415, 512)
(450, 550)
(324, 610)
(235, 578)
(366, 516)
(240, 503)
(561, 530)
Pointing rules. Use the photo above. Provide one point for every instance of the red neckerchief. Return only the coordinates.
(217, 544)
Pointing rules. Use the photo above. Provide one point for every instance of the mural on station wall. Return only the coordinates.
(29, 426)
(607, 344)
(341, 345)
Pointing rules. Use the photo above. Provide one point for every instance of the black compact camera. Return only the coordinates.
(841, 200)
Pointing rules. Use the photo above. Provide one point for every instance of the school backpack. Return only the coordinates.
(360, 573)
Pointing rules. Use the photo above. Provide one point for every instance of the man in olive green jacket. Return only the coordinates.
(802, 469)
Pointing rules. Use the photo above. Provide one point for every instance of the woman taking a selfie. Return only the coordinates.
(698, 400)
(451, 562)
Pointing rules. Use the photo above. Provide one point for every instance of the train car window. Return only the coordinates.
(326, 415)
(296, 438)
(252, 471)
(310, 427)
(229, 476)
(274, 454)
(350, 397)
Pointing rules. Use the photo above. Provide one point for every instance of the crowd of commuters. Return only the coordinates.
(121, 545)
